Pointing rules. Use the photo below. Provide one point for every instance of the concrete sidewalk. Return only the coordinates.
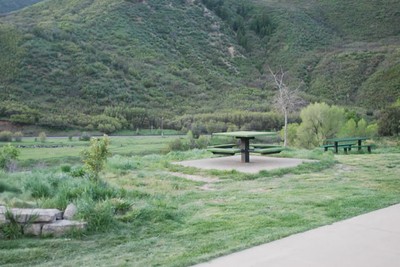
(256, 164)
(369, 240)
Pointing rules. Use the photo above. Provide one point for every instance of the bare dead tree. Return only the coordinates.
(286, 100)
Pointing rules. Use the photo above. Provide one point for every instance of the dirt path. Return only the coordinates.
(197, 178)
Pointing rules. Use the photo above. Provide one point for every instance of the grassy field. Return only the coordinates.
(174, 220)
(59, 149)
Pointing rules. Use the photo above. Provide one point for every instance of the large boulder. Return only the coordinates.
(33, 215)
(61, 227)
(70, 212)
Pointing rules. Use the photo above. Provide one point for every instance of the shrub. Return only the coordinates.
(96, 155)
(18, 136)
(8, 154)
(85, 137)
(98, 215)
(42, 137)
(178, 144)
(291, 134)
(38, 188)
(6, 136)
(77, 171)
(202, 142)
(66, 168)
(319, 122)
(389, 122)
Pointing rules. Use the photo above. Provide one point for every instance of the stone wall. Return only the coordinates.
(43, 222)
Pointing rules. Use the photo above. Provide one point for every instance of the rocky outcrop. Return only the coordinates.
(39, 222)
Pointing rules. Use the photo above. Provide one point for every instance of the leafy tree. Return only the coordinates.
(389, 122)
(291, 135)
(319, 122)
(349, 128)
(96, 155)
(362, 126)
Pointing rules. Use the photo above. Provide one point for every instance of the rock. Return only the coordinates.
(70, 212)
(37, 215)
(33, 229)
(61, 227)
(2, 219)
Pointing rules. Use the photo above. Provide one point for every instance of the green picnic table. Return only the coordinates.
(245, 137)
(346, 142)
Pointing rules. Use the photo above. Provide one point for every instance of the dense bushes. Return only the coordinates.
(6, 136)
(389, 122)
(321, 121)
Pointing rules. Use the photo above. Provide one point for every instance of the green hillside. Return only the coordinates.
(94, 62)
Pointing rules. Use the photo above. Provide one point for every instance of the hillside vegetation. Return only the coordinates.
(131, 63)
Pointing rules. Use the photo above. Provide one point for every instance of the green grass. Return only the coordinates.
(175, 222)
(65, 150)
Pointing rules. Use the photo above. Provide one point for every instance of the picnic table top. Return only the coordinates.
(245, 134)
(344, 139)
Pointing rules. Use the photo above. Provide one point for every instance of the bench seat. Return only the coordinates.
(223, 146)
(271, 150)
(344, 146)
(256, 146)
(368, 146)
(225, 151)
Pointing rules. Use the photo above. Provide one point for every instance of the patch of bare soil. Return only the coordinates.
(197, 178)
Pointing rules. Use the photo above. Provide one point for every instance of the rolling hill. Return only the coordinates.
(93, 62)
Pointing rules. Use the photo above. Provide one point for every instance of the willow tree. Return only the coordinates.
(286, 100)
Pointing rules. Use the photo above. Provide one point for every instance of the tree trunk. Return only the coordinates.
(285, 129)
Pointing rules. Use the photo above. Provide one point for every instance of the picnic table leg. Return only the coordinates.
(359, 145)
(336, 147)
(245, 147)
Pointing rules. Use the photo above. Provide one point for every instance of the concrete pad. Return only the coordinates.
(256, 164)
(370, 240)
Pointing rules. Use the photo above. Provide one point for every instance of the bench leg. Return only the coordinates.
(369, 149)
(345, 150)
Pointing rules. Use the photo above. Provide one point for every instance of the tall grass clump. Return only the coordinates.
(38, 188)
(98, 215)
(120, 163)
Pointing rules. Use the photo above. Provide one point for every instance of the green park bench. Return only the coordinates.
(347, 143)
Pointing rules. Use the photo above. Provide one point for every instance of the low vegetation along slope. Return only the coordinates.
(65, 61)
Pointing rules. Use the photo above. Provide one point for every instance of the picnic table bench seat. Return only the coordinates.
(223, 146)
(256, 146)
(270, 150)
(226, 151)
(368, 146)
(344, 146)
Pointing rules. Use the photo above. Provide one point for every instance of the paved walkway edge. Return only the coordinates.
(369, 240)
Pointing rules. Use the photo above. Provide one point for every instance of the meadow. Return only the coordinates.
(147, 211)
